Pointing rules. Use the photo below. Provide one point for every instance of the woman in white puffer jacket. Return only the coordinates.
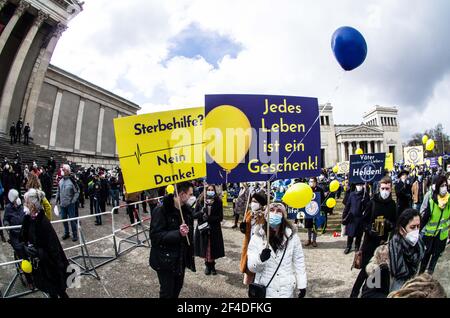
(290, 279)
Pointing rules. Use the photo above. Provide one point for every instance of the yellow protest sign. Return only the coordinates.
(159, 149)
(413, 155)
(389, 164)
(343, 167)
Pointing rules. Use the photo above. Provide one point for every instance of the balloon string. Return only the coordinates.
(341, 76)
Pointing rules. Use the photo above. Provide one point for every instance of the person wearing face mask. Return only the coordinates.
(241, 203)
(208, 233)
(253, 217)
(279, 264)
(398, 261)
(14, 215)
(352, 216)
(418, 191)
(309, 221)
(50, 264)
(403, 192)
(379, 219)
(172, 248)
(435, 225)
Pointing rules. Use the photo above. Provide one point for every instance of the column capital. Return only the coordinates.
(2, 4)
(23, 6)
(59, 30)
(41, 17)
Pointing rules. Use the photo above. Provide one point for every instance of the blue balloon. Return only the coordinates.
(349, 47)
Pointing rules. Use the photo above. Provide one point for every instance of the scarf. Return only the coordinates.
(442, 201)
(404, 259)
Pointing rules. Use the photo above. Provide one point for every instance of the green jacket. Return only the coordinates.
(439, 221)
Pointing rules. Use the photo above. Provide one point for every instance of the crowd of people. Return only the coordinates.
(398, 226)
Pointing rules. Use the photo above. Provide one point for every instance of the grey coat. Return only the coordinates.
(67, 192)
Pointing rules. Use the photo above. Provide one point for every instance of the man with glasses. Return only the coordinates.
(379, 219)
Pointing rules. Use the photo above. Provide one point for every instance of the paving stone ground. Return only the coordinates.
(328, 269)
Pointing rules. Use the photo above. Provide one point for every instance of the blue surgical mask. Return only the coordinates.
(275, 220)
(210, 193)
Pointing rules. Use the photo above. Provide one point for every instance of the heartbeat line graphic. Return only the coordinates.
(138, 154)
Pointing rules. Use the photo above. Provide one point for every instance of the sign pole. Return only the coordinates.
(181, 212)
(268, 213)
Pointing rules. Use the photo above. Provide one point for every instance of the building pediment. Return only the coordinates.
(359, 130)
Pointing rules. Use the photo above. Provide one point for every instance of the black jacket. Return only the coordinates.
(375, 208)
(46, 182)
(12, 130)
(14, 216)
(352, 215)
(51, 274)
(214, 233)
(404, 196)
(170, 251)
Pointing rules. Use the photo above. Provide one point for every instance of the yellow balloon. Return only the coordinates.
(359, 151)
(298, 196)
(228, 136)
(331, 203)
(170, 189)
(334, 186)
(440, 161)
(424, 139)
(429, 145)
(26, 266)
(335, 169)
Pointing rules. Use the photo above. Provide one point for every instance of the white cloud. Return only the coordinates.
(286, 50)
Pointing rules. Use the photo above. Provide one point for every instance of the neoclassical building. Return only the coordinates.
(65, 112)
(378, 132)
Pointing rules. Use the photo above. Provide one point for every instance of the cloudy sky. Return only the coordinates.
(167, 54)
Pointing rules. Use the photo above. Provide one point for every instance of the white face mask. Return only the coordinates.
(443, 190)
(412, 237)
(433, 187)
(255, 206)
(191, 201)
(311, 184)
(18, 201)
(385, 194)
(359, 188)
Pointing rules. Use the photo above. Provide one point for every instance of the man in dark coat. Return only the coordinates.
(380, 217)
(171, 252)
(12, 133)
(51, 164)
(209, 243)
(19, 127)
(104, 190)
(352, 216)
(26, 134)
(403, 192)
(46, 183)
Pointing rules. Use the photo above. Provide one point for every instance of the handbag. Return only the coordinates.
(357, 260)
(258, 290)
(203, 227)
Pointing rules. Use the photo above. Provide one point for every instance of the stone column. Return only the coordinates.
(54, 126)
(342, 145)
(79, 125)
(100, 130)
(358, 145)
(350, 149)
(12, 22)
(30, 108)
(16, 68)
(369, 147)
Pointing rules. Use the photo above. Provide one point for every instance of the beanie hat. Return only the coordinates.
(13, 195)
(260, 197)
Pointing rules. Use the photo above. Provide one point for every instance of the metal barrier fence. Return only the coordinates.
(85, 260)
